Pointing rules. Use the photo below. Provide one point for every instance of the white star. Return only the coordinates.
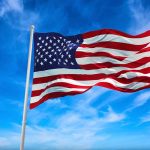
(69, 56)
(46, 44)
(62, 56)
(42, 41)
(54, 59)
(78, 41)
(37, 60)
(55, 53)
(41, 46)
(46, 53)
(41, 56)
(54, 44)
(45, 59)
(72, 63)
(38, 44)
(37, 50)
(50, 56)
(54, 38)
(50, 41)
(49, 47)
(66, 60)
(47, 37)
(50, 62)
(58, 41)
(52, 50)
(44, 49)
(59, 60)
(39, 53)
(41, 63)
(40, 38)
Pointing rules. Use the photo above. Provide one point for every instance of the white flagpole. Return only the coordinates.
(26, 90)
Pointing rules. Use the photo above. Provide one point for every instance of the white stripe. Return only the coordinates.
(94, 60)
(134, 85)
(130, 75)
(103, 59)
(82, 83)
(53, 90)
(82, 71)
(137, 56)
(115, 52)
(116, 38)
(65, 80)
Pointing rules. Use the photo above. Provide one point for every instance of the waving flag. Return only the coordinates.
(69, 65)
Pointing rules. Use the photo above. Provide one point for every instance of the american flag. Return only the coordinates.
(69, 65)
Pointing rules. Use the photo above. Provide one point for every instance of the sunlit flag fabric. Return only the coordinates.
(69, 65)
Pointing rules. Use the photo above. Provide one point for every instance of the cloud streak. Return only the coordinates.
(140, 100)
(11, 6)
(140, 16)
(146, 118)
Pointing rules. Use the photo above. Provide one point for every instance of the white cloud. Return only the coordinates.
(16, 16)
(78, 127)
(140, 16)
(3, 142)
(112, 116)
(140, 100)
(145, 118)
(9, 6)
(71, 131)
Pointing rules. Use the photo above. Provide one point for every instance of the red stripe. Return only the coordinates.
(101, 54)
(110, 86)
(61, 94)
(144, 50)
(51, 96)
(68, 85)
(134, 64)
(84, 77)
(115, 32)
(102, 76)
(115, 45)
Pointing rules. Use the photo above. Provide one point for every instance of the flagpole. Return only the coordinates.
(26, 90)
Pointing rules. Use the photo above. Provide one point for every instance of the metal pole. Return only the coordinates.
(26, 90)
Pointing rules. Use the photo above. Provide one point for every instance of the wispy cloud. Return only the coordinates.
(112, 116)
(140, 16)
(9, 6)
(146, 118)
(139, 101)
(14, 14)
(79, 122)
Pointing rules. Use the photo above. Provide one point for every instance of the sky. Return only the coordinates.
(99, 119)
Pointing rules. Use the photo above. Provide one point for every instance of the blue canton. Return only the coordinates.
(52, 50)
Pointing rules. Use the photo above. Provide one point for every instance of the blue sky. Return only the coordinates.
(98, 119)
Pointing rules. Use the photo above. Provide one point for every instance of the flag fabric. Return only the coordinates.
(69, 65)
